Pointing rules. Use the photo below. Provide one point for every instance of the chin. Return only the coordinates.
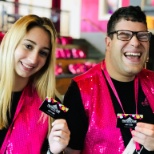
(135, 71)
(24, 75)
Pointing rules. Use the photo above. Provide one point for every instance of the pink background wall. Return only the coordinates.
(89, 16)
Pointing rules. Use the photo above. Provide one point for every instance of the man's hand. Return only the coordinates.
(144, 134)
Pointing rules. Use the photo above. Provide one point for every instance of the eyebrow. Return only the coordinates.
(35, 44)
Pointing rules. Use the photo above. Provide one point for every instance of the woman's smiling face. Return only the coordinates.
(32, 52)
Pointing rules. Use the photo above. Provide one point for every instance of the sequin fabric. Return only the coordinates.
(146, 78)
(103, 137)
(26, 133)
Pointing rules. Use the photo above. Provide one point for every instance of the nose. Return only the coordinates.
(33, 57)
(134, 41)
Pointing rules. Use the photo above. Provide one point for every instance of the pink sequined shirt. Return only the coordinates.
(27, 132)
(103, 137)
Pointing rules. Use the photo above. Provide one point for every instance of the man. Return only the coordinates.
(111, 105)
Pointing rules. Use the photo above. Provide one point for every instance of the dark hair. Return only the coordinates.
(130, 13)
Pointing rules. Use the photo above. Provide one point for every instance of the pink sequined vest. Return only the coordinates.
(102, 136)
(26, 133)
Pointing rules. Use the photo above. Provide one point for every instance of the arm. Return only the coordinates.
(59, 136)
(76, 118)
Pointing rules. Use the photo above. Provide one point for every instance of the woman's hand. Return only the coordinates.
(59, 136)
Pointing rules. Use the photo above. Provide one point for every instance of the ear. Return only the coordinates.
(107, 41)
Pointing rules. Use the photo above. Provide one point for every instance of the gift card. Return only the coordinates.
(128, 120)
(53, 108)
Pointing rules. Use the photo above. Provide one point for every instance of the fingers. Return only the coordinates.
(60, 131)
(60, 125)
(138, 137)
(60, 141)
(59, 121)
(144, 128)
(144, 134)
(145, 125)
(59, 136)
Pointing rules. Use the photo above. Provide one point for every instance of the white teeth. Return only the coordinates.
(132, 54)
(27, 66)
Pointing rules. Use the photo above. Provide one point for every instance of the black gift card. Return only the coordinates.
(53, 108)
(128, 120)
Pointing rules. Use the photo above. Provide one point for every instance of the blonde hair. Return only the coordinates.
(43, 81)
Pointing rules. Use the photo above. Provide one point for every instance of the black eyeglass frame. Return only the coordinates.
(133, 33)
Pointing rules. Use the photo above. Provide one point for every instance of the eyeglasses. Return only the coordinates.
(126, 35)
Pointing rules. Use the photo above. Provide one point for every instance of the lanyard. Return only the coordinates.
(118, 99)
(114, 90)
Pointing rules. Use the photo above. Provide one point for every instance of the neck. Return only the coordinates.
(20, 84)
(122, 78)
(117, 75)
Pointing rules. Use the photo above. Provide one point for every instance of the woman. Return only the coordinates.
(27, 62)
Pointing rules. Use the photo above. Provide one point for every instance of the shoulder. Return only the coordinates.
(88, 74)
(146, 78)
(145, 73)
